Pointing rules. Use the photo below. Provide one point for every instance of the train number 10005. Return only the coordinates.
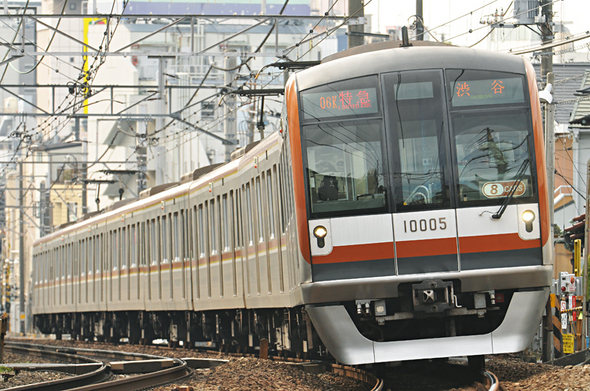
(424, 225)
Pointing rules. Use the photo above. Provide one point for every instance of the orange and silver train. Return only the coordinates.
(400, 213)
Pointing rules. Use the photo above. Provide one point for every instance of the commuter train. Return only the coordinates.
(400, 213)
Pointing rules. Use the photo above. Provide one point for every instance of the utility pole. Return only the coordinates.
(161, 109)
(419, 19)
(229, 123)
(547, 74)
(21, 246)
(356, 8)
(546, 27)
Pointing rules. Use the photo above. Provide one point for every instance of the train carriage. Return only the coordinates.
(400, 213)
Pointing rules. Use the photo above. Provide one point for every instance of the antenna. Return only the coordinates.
(405, 38)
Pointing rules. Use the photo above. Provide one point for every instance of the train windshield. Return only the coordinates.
(344, 155)
(345, 167)
(454, 138)
(415, 119)
(492, 137)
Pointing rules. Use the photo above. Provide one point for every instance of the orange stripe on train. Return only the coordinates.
(426, 248)
(500, 242)
(356, 253)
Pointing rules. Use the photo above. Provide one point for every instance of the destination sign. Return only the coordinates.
(339, 103)
(497, 91)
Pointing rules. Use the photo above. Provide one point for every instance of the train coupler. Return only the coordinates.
(433, 296)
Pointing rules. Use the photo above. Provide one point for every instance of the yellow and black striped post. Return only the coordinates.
(557, 338)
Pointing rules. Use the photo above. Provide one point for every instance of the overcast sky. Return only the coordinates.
(575, 14)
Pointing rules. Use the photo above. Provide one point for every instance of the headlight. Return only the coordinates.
(528, 216)
(320, 232)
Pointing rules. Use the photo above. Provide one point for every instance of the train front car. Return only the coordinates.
(423, 195)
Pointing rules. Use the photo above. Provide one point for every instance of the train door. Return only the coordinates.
(90, 290)
(212, 256)
(492, 141)
(62, 280)
(215, 257)
(273, 249)
(155, 291)
(144, 262)
(132, 272)
(185, 245)
(124, 271)
(197, 234)
(177, 281)
(228, 244)
(262, 236)
(82, 263)
(166, 252)
(236, 241)
(203, 258)
(424, 223)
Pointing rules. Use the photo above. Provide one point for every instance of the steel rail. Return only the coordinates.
(181, 368)
(494, 383)
(96, 379)
(98, 375)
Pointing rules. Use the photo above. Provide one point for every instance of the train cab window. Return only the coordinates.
(416, 120)
(343, 157)
(492, 146)
(345, 167)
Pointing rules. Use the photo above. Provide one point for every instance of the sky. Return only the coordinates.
(574, 13)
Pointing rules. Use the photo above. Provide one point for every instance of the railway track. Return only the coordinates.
(438, 376)
(94, 369)
(148, 370)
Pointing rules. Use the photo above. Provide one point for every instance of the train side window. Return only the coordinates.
(259, 210)
(116, 259)
(213, 216)
(154, 256)
(163, 239)
(270, 203)
(176, 238)
(236, 205)
(249, 215)
(143, 258)
(281, 197)
(102, 254)
(201, 232)
(70, 260)
(83, 258)
(133, 246)
(226, 223)
(90, 256)
(123, 240)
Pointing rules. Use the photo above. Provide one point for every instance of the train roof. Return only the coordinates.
(191, 182)
(389, 58)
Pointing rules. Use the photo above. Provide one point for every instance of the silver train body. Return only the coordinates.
(399, 214)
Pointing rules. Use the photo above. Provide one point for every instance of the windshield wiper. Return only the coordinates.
(510, 195)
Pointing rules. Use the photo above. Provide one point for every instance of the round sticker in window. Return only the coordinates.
(503, 189)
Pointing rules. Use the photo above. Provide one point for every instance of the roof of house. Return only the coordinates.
(568, 79)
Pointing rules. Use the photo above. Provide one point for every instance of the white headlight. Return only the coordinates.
(528, 216)
(320, 231)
